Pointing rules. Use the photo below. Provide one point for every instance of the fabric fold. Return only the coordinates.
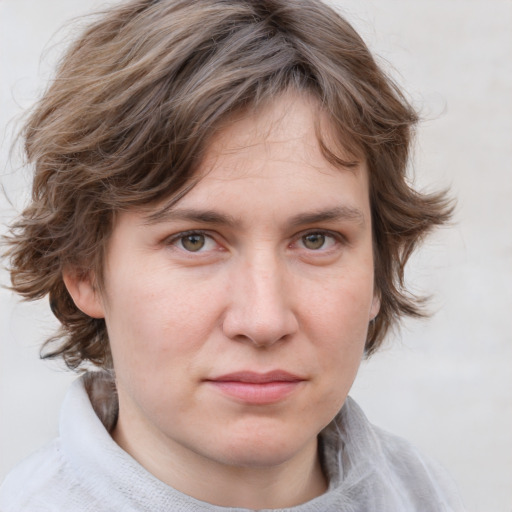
(84, 470)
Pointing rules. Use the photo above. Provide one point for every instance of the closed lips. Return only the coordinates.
(257, 388)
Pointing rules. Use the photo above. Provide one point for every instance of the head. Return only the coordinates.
(139, 99)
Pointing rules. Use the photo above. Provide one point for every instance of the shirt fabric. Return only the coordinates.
(84, 470)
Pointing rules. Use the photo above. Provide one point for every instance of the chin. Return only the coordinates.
(263, 447)
(258, 456)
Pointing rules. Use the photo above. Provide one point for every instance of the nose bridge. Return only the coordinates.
(260, 308)
(265, 278)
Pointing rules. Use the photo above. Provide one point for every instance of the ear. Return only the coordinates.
(84, 292)
(375, 308)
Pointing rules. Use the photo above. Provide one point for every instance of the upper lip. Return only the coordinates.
(251, 377)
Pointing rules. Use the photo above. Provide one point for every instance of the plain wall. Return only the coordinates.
(445, 383)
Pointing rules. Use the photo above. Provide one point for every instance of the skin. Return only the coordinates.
(278, 275)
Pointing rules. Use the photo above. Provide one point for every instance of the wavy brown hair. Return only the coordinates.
(135, 100)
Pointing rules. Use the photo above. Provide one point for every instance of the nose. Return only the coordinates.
(260, 307)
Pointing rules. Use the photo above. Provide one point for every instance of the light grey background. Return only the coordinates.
(445, 384)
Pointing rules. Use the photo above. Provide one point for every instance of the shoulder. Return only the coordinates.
(409, 464)
(78, 472)
(388, 466)
(28, 485)
(48, 482)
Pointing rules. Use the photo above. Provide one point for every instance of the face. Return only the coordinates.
(237, 322)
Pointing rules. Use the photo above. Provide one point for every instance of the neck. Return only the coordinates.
(282, 485)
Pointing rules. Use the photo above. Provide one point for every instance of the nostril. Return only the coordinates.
(259, 309)
(258, 328)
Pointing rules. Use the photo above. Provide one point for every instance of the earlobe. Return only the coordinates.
(84, 293)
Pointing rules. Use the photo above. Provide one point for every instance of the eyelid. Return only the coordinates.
(337, 236)
(181, 234)
(173, 239)
(326, 232)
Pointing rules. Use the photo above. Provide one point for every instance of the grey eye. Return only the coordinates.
(194, 242)
(314, 241)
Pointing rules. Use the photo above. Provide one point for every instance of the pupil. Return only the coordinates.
(193, 243)
(314, 241)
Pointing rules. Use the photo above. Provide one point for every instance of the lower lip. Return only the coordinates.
(257, 393)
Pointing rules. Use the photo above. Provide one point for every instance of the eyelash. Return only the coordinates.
(336, 237)
(183, 234)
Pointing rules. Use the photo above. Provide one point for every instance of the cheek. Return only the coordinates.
(337, 323)
(157, 331)
(343, 301)
(150, 319)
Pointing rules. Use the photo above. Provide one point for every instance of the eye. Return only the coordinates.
(194, 242)
(315, 241)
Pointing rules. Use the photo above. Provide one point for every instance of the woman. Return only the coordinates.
(221, 219)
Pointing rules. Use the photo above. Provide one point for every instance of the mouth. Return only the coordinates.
(257, 388)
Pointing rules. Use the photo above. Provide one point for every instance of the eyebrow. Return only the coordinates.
(338, 213)
(212, 217)
(193, 215)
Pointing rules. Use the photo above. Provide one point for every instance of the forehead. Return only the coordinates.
(270, 159)
(282, 141)
(293, 124)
